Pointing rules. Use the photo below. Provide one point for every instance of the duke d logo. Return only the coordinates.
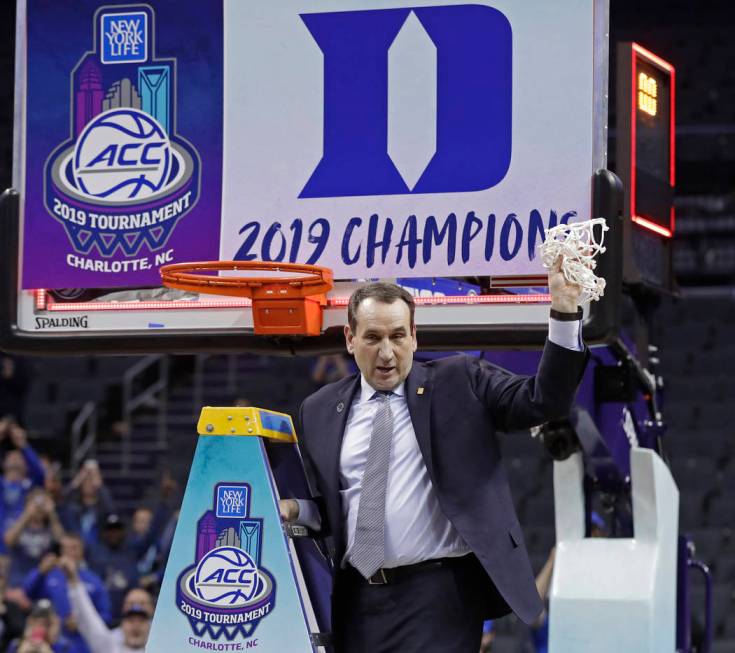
(125, 177)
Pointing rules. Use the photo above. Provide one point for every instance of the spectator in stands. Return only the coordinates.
(42, 633)
(115, 561)
(88, 503)
(164, 546)
(138, 596)
(329, 368)
(140, 528)
(49, 581)
(120, 552)
(14, 607)
(32, 536)
(53, 483)
(540, 629)
(136, 599)
(22, 470)
(3, 607)
(135, 626)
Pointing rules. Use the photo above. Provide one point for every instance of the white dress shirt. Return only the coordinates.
(415, 527)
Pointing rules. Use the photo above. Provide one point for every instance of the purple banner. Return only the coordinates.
(123, 140)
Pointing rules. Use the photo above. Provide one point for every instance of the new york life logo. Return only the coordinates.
(125, 177)
(233, 500)
(468, 144)
(226, 592)
(124, 37)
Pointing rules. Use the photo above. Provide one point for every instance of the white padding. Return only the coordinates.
(615, 595)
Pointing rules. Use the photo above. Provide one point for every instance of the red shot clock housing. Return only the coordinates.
(646, 162)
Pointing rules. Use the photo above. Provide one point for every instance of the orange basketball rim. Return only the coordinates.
(282, 305)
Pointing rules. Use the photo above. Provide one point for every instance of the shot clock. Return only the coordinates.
(646, 163)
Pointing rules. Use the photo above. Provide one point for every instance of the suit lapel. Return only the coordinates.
(418, 397)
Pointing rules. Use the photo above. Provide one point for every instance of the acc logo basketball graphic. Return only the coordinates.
(125, 177)
(226, 592)
(130, 149)
(227, 576)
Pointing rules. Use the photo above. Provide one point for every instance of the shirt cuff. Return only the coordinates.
(566, 334)
(309, 515)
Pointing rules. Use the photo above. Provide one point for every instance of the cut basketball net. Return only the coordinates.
(577, 246)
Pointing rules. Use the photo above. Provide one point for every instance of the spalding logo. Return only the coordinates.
(227, 575)
(122, 154)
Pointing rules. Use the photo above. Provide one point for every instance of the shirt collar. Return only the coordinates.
(367, 391)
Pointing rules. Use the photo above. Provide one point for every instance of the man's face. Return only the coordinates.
(383, 342)
(37, 501)
(72, 548)
(49, 626)
(135, 630)
(113, 536)
(14, 466)
(142, 519)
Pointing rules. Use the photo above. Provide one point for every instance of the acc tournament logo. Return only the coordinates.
(226, 592)
(125, 177)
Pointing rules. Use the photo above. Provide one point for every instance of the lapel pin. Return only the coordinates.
(340, 407)
(420, 391)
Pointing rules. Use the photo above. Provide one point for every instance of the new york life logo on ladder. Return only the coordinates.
(226, 592)
(125, 177)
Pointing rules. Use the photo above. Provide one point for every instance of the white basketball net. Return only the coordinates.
(577, 246)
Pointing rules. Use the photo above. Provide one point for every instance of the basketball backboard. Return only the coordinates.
(434, 145)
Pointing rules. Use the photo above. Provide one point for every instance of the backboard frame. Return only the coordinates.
(469, 324)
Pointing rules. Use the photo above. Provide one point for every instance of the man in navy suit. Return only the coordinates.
(409, 487)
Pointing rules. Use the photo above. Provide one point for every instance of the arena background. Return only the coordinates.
(153, 400)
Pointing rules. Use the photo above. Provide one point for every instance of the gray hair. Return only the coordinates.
(382, 292)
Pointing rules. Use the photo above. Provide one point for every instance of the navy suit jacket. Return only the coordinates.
(463, 403)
